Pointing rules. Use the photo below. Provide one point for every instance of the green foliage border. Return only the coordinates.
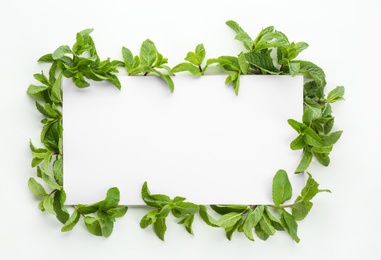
(82, 63)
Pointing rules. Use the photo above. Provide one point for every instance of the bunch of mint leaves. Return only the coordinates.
(82, 64)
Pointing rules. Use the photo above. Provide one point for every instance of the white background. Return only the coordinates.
(343, 38)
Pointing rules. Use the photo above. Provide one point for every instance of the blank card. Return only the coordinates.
(201, 142)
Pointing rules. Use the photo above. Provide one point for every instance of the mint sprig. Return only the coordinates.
(148, 61)
(164, 205)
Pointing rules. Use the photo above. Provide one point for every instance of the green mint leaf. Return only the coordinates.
(324, 149)
(56, 93)
(93, 226)
(314, 71)
(200, 53)
(210, 221)
(148, 53)
(274, 221)
(299, 127)
(234, 25)
(266, 225)
(160, 228)
(188, 221)
(46, 58)
(311, 189)
(164, 211)
(301, 210)
(336, 94)
(50, 136)
(47, 203)
(117, 212)
(59, 207)
(128, 58)
(87, 209)
(243, 64)
(224, 209)
(249, 224)
(183, 209)
(293, 68)
(260, 233)
(312, 138)
(281, 188)
(168, 80)
(111, 200)
(305, 162)
(229, 220)
(148, 219)
(288, 221)
(323, 158)
(332, 138)
(236, 84)
(106, 223)
(295, 48)
(232, 77)
(80, 81)
(61, 51)
(270, 40)
(193, 58)
(71, 222)
(157, 200)
(329, 125)
(230, 230)
(185, 66)
(34, 90)
(297, 143)
(241, 36)
(36, 188)
(58, 170)
(262, 61)
(42, 78)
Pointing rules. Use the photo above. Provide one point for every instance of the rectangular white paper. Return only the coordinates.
(202, 142)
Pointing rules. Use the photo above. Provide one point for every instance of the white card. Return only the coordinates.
(202, 142)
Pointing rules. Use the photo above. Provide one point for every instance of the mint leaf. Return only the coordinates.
(71, 222)
(148, 219)
(185, 66)
(311, 189)
(59, 207)
(298, 143)
(56, 93)
(241, 36)
(61, 51)
(182, 209)
(111, 200)
(160, 228)
(305, 162)
(93, 225)
(262, 61)
(288, 221)
(148, 53)
(128, 58)
(301, 210)
(117, 212)
(229, 220)
(36, 188)
(210, 221)
(266, 225)
(281, 188)
(188, 221)
(224, 209)
(336, 94)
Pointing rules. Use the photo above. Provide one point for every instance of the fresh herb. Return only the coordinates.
(148, 61)
(270, 52)
(164, 205)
